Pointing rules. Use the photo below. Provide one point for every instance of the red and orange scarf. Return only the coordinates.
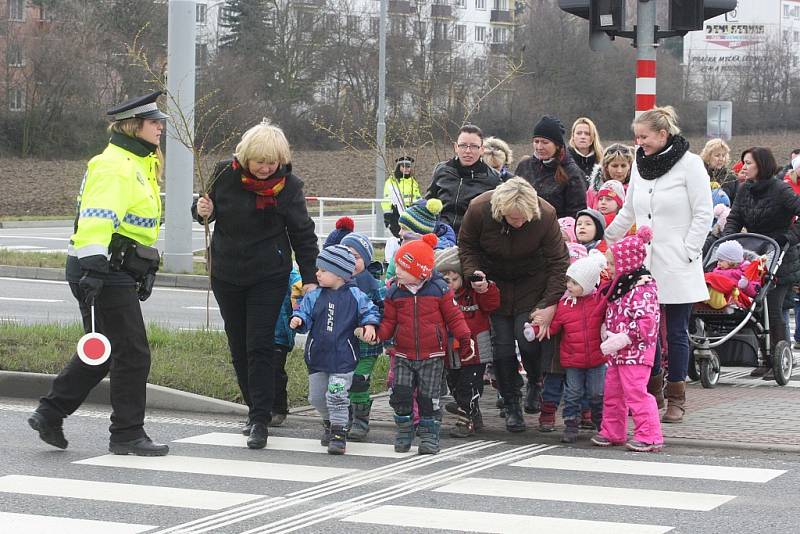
(266, 190)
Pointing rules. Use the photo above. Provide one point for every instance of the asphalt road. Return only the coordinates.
(44, 301)
(56, 239)
(211, 483)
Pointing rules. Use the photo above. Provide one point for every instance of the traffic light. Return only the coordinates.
(689, 15)
(579, 8)
(606, 15)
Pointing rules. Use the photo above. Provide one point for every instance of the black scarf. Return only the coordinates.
(657, 165)
(625, 283)
(134, 145)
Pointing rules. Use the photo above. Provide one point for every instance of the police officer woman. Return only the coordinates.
(111, 266)
(261, 219)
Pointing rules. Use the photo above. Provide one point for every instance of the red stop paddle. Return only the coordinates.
(94, 348)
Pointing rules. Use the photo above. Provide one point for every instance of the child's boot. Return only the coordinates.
(570, 434)
(547, 417)
(477, 419)
(326, 434)
(464, 427)
(429, 435)
(359, 428)
(338, 440)
(405, 433)
(586, 420)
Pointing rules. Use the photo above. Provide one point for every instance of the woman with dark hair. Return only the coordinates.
(766, 205)
(552, 171)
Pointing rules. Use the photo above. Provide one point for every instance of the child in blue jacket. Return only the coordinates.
(330, 314)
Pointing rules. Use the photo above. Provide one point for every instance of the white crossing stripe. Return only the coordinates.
(28, 299)
(203, 308)
(227, 439)
(656, 469)
(36, 524)
(129, 493)
(217, 466)
(545, 491)
(469, 521)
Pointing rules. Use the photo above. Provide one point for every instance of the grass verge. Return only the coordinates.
(58, 260)
(194, 361)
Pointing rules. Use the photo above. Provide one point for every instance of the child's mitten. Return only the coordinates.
(529, 331)
(615, 342)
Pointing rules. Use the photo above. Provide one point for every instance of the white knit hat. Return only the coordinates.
(730, 251)
(586, 271)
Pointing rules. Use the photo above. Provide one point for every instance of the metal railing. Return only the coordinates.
(375, 232)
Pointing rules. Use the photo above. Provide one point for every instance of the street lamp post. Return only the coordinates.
(380, 160)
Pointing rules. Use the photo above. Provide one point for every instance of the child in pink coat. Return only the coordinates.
(630, 333)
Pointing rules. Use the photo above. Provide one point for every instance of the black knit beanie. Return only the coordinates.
(550, 128)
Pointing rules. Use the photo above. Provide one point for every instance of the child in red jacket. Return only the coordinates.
(419, 311)
(578, 319)
(477, 299)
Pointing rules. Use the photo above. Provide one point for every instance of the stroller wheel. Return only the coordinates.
(782, 360)
(694, 368)
(709, 370)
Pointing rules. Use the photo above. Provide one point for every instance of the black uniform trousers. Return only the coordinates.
(250, 314)
(118, 315)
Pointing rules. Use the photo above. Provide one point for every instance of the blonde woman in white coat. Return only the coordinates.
(669, 192)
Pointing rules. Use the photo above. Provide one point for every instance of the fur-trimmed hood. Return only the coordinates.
(495, 143)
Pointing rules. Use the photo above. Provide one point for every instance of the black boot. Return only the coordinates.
(515, 422)
(338, 441)
(533, 397)
(326, 434)
(258, 436)
(359, 428)
(143, 446)
(49, 433)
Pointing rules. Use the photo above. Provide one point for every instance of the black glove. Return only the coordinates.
(91, 286)
(394, 226)
(91, 283)
(387, 218)
(146, 286)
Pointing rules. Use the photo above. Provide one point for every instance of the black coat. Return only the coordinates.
(456, 185)
(767, 207)
(250, 245)
(584, 163)
(567, 198)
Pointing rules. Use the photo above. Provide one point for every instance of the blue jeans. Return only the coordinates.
(582, 384)
(677, 318)
(553, 389)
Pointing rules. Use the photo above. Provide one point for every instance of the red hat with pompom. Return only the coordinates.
(416, 257)
(344, 226)
(630, 253)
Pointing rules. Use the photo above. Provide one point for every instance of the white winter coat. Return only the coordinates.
(677, 207)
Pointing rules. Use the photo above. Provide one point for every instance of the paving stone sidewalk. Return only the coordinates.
(740, 411)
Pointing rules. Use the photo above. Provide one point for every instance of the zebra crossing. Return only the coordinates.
(405, 491)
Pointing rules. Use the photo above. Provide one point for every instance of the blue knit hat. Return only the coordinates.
(344, 225)
(337, 260)
(361, 244)
(422, 216)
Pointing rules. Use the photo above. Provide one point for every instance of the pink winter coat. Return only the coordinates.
(579, 321)
(637, 314)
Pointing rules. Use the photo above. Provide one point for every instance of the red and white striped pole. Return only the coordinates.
(645, 56)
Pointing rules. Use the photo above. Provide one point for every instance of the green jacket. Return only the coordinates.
(119, 194)
(407, 187)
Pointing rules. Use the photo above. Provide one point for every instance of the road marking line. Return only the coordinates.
(245, 512)
(127, 493)
(545, 491)
(351, 506)
(469, 521)
(226, 439)
(203, 308)
(653, 468)
(222, 467)
(36, 524)
(26, 299)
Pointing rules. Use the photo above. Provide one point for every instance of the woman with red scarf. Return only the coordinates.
(261, 221)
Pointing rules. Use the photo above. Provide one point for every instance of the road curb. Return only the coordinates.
(35, 385)
(186, 281)
(37, 224)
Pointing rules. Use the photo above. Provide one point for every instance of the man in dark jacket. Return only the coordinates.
(457, 181)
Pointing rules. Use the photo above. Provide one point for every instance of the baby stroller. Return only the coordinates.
(710, 329)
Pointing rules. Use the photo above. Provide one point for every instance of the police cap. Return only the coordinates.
(143, 107)
(404, 160)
